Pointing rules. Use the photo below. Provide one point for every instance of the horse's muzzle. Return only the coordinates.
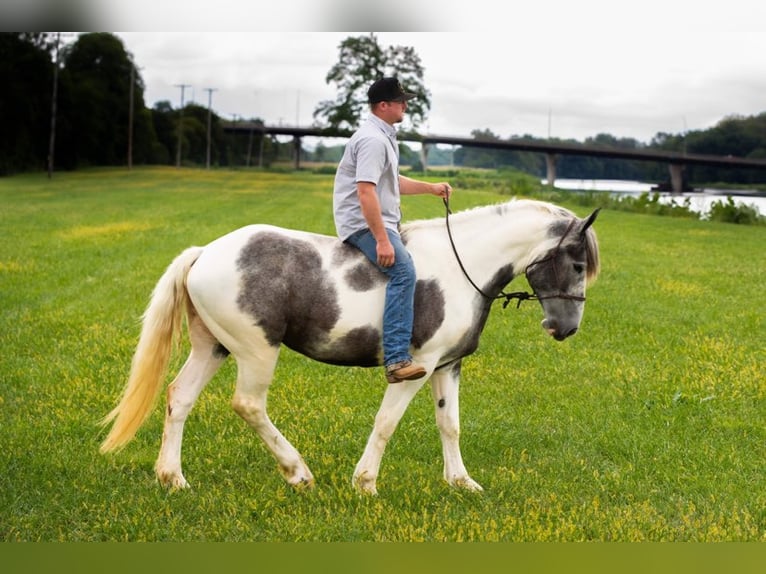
(556, 331)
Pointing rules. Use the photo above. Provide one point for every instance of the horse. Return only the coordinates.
(259, 287)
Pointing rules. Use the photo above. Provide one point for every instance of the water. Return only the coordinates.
(699, 201)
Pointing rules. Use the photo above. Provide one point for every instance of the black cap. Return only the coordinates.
(388, 90)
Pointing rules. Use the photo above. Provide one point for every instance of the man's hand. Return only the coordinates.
(442, 189)
(386, 254)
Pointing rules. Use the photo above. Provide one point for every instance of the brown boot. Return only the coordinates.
(404, 371)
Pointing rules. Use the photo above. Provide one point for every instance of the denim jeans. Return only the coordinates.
(400, 294)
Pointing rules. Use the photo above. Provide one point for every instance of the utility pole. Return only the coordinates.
(209, 106)
(52, 141)
(180, 123)
(130, 116)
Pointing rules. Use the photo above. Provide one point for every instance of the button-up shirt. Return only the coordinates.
(371, 155)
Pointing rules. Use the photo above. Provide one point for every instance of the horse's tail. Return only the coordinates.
(161, 325)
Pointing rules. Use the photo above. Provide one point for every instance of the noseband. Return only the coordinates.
(520, 295)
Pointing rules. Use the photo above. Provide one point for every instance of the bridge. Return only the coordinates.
(552, 150)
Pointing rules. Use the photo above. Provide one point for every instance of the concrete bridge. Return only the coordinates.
(676, 161)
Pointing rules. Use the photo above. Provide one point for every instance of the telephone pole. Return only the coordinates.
(180, 123)
(209, 107)
(130, 114)
(52, 140)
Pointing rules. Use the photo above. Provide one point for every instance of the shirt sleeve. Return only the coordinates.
(371, 160)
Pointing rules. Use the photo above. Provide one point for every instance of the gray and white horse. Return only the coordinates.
(259, 287)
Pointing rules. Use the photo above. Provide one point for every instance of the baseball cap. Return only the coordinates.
(387, 90)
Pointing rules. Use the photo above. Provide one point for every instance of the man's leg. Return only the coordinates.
(398, 310)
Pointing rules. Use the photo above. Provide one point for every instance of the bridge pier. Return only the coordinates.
(550, 165)
(424, 156)
(297, 152)
(676, 177)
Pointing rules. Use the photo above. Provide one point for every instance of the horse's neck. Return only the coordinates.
(493, 238)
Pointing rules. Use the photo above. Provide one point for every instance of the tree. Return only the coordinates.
(95, 104)
(362, 61)
(26, 68)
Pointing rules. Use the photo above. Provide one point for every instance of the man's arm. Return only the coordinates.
(409, 186)
(368, 200)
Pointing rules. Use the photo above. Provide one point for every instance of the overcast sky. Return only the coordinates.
(565, 68)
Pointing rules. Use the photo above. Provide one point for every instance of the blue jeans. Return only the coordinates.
(400, 294)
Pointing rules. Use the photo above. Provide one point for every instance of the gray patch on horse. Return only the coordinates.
(344, 252)
(544, 277)
(286, 292)
(364, 277)
(500, 279)
(558, 227)
(429, 311)
(361, 347)
(220, 352)
(469, 342)
(454, 371)
(453, 366)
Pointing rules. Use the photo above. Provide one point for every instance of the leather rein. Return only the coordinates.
(520, 295)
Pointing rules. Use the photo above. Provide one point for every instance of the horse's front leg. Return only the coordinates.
(395, 402)
(445, 386)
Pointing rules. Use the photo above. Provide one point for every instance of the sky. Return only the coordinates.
(560, 68)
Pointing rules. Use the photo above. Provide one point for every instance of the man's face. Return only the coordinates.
(395, 111)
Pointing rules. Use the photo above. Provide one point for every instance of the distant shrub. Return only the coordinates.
(650, 203)
(730, 212)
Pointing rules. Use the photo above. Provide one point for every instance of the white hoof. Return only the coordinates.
(365, 484)
(298, 476)
(172, 480)
(466, 483)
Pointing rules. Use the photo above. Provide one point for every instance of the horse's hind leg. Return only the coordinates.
(253, 381)
(205, 359)
(445, 384)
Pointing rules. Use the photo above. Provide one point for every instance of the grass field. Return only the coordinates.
(650, 424)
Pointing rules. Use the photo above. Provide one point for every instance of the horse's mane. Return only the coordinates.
(497, 209)
(503, 209)
(593, 261)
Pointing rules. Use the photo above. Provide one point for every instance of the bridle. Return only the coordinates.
(520, 295)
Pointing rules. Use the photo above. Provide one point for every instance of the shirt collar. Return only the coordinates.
(386, 128)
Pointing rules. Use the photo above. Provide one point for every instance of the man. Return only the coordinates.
(367, 215)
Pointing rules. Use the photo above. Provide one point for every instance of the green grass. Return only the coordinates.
(650, 424)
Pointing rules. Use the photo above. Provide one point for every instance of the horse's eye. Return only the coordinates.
(579, 267)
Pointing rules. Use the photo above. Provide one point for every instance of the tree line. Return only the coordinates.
(101, 119)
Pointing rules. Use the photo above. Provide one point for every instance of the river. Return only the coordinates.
(699, 200)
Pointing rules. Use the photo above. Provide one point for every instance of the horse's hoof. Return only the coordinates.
(302, 483)
(173, 481)
(298, 476)
(365, 485)
(466, 483)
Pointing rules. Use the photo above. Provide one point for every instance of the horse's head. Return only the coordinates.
(559, 276)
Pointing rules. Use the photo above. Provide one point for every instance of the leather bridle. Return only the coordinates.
(520, 295)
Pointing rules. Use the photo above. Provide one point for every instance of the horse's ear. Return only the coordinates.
(588, 221)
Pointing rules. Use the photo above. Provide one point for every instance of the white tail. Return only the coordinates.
(161, 324)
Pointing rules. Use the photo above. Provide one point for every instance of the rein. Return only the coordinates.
(520, 295)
